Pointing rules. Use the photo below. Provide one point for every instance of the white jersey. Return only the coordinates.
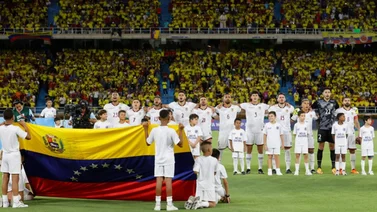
(350, 115)
(301, 132)
(255, 116)
(119, 125)
(135, 117)
(340, 133)
(309, 117)
(227, 116)
(182, 113)
(283, 116)
(273, 132)
(192, 133)
(102, 125)
(9, 138)
(206, 166)
(367, 135)
(165, 139)
(48, 112)
(205, 119)
(113, 112)
(238, 138)
(220, 174)
(154, 116)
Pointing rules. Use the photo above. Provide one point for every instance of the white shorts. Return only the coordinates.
(254, 138)
(206, 195)
(351, 142)
(206, 135)
(11, 163)
(287, 139)
(224, 139)
(367, 152)
(195, 151)
(239, 155)
(164, 170)
(310, 141)
(340, 149)
(301, 148)
(220, 192)
(273, 151)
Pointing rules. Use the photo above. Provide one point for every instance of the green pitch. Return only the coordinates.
(256, 192)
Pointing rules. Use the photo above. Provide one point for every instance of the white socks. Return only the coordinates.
(337, 166)
(204, 204)
(242, 162)
(260, 161)
(307, 167)
(169, 200)
(370, 163)
(362, 165)
(221, 153)
(158, 200)
(287, 159)
(273, 162)
(297, 167)
(311, 161)
(353, 161)
(248, 160)
(235, 164)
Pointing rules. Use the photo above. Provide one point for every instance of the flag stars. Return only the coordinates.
(118, 167)
(138, 177)
(77, 173)
(130, 171)
(74, 179)
(105, 165)
(83, 168)
(94, 166)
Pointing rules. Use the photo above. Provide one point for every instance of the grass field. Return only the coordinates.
(256, 193)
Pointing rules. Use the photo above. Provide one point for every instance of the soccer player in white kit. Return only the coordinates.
(102, 123)
(11, 160)
(339, 132)
(227, 113)
(154, 113)
(352, 121)
(122, 120)
(49, 111)
(255, 113)
(367, 146)
(136, 113)
(310, 115)
(221, 182)
(194, 134)
(273, 140)
(301, 142)
(205, 114)
(283, 116)
(237, 143)
(113, 109)
(182, 109)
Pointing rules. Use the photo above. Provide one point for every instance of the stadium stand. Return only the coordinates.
(92, 74)
(18, 14)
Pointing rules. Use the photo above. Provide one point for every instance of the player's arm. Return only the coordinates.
(196, 167)
(149, 138)
(92, 118)
(265, 141)
(226, 187)
(282, 141)
(357, 125)
(231, 145)
(180, 132)
(23, 124)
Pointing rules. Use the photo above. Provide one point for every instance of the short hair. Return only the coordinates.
(339, 115)
(182, 92)
(8, 114)
(101, 112)
(164, 114)
(300, 112)
(121, 111)
(255, 92)
(157, 97)
(205, 146)
(305, 100)
(272, 112)
(281, 94)
(193, 116)
(56, 119)
(215, 153)
(237, 119)
(18, 102)
(144, 120)
(366, 118)
(48, 100)
(327, 88)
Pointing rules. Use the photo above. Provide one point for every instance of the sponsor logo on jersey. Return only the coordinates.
(53, 143)
(277, 128)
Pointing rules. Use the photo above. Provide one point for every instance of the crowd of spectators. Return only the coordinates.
(93, 74)
(20, 73)
(280, 14)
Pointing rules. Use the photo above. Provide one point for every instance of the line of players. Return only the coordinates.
(324, 109)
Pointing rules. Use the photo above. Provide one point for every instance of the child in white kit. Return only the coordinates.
(339, 132)
(367, 147)
(237, 142)
(194, 135)
(301, 142)
(102, 123)
(273, 141)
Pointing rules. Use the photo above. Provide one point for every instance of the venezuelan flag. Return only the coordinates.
(100, 164)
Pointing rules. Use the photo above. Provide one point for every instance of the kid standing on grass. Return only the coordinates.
(301, 143)
(194, 135)
(237, 141)
(11, 161)
(273, 142)
(367, 147)
(165, 139)
(339, 133)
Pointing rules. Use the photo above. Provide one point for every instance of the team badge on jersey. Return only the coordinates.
(286, 110)
(196, 131)
(231, 109)
(277, 128)
(344, 129)
(186, 109)
(259, 107)
(240, 134)
(53, 143)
